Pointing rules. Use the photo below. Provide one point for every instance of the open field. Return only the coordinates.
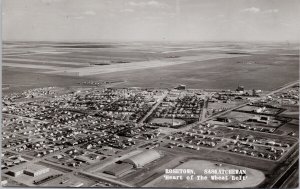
(287, 128)
(152, 64)
(33, 66)
(20, 79)
(239, 116)
(9, 61)
(175, 122)
(268, 111)
(94, 70)
(221, 73)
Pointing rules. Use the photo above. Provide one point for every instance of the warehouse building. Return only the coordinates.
(118, 169)
(15, 171)
(35, 170)
(28, 169)
(143, 158)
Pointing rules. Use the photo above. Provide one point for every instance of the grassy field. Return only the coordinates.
(20, 79)
(167, 121)
(255, 67)
(288, 128)
(224, 73)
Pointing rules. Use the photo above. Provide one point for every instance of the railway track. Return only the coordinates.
(284, 178)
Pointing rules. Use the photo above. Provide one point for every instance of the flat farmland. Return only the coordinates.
(197, 65)
(44, 61)
(20, 79)
(223, 73)
(155, 63)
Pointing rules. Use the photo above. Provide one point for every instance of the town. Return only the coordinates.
(93, 136)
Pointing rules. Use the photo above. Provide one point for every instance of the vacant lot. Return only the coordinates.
(175, 122)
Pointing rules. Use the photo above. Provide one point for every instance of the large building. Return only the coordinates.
(143, 158)
(28, 169)
(35, 170)
(15, 171)
(118, 169)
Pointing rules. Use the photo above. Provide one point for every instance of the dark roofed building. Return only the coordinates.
(117, 169)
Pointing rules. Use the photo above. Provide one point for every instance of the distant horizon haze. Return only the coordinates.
(151, 20)
(148, 41)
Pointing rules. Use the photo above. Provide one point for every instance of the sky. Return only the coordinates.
(151, 20)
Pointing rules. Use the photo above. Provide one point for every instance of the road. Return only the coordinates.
(188, 127)
(287, 180)
(204, 110)
(292, 180)
(240, 105)
(287, 176)
(93, 176)
(283, 87)
(153, 108)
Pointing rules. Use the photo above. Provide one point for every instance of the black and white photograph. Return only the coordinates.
(150, 93)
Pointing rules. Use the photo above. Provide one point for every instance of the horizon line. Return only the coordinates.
(155, 41)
